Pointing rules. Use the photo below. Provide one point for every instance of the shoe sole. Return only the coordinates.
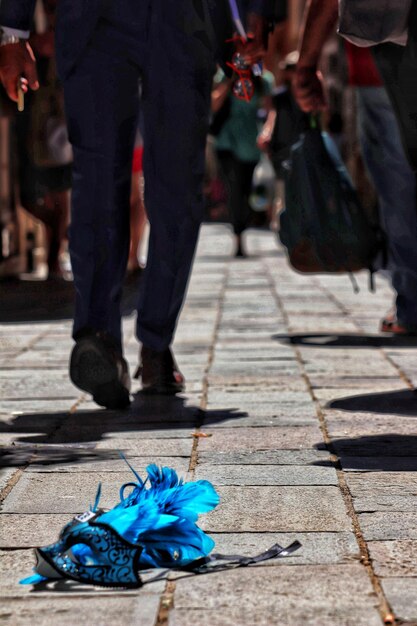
(92, 371)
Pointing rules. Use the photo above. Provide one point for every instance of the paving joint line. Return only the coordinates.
(205, 383)
(385, 608)
(166, 603)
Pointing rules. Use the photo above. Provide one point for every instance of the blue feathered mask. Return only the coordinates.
(153, 526)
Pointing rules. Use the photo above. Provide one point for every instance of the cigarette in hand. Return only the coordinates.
(20, 96)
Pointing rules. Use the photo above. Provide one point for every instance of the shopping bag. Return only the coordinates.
(324, 226)
(263, 185)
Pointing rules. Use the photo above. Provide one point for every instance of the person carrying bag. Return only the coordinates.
(324, 226)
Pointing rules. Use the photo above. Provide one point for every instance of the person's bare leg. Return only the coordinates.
(137, 220)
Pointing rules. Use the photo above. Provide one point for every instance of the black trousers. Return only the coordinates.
(155, 42)
(237, 177)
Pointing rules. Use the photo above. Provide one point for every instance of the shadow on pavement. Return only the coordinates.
(331, 340)
(23, 454)
(49, 300)
(390, 452)
(402, 402)
(146, 415)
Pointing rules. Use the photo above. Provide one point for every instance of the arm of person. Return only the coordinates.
(17, 61)
(219, 94)
(320, 19)
(265, 136)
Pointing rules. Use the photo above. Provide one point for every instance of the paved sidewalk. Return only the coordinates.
(312, 426)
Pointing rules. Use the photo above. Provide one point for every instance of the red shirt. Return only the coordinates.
(362, 69)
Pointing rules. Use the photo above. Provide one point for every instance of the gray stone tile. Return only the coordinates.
(394, 558)
(386, 526)
(277, 380)
(149, 447)
(63, 493)
(93, 465)
(252, 416)
(358, 424)
(265, 457)
(37, 407)
(102, 609)
(383, 491)
(401, 593)
(317, 548)
(36, 384)
(281, 399)
(281, 509)
(248, 475)
(308, 595)
(256, 439)
(29, 531)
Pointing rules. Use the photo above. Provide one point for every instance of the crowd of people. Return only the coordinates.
(132, 144)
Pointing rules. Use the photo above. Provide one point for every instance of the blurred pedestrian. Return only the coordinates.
(382, 151)
(44, 151)
(236, 145)
(103, 48)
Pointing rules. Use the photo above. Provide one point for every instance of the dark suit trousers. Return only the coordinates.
(162, 44)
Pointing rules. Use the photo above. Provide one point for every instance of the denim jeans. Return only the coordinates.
(395, 184)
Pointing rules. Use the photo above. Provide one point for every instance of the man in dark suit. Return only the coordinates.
(105, 48)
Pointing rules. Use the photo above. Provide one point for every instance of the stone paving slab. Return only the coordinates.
(94, 465)
(67, 492)
(251, 417)
(265, 457)
(386, 491)
(256, 439)
(402, 595)
(36, 384)
(394, 558)
(266, 475)
(293, 595)
(393, 525)
(281, 399)
(254, 338)
(275, 380)
(31, 530)
(288, 508)
(317, 548)
(149, 447)
(358, 424)
(44, 611)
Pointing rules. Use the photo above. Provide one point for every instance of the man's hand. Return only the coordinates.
(254, 49)
(17, 62)
(308, 89)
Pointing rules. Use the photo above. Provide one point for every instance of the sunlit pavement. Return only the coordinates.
(306, 423)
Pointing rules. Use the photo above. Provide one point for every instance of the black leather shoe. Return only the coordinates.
(159, 372)
(96, 366)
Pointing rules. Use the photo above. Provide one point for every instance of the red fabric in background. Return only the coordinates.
(138, 159)
(361, 66)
